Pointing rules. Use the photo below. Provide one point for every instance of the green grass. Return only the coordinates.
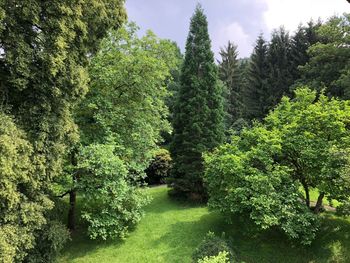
(314, 193)
(170, 231)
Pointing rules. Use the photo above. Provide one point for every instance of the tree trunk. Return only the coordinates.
(71, 212)
(72, 193)
(307, 194)
(319, 203)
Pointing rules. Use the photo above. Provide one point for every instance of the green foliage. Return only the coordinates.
(222, 257)
(112, 204)
(229, 75)
(212, 246)
(343, 209)
(329, 58)
(304, 37)
(173, 86)
(315, 141)
(198, 114)
(21, 205)
(255, 95)
(274, 67)
(49, 242)
(279, 67)
(121, 121)
(243, 179)
(159, 168)
(302, 142)
(45, 47)
(126, 106)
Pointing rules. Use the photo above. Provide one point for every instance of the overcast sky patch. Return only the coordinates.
(240, 21)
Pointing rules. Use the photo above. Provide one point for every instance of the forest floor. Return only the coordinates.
(171, 230)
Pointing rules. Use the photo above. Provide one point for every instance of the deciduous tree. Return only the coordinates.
(120, 123)
(44, 50)
(304, 142)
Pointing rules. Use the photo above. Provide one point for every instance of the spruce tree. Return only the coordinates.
(198, 113)
(255, 95)
(229, 75)
(304, 38)
(279, 63)
(299, 46)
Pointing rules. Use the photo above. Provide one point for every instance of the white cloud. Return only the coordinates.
(235, 33)
(291, 13)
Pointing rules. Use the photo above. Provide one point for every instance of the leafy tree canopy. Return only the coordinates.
(303, 142)
(330, 58)
(44, 50)
(120, 123)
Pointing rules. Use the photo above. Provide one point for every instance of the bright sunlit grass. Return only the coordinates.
(170, 231)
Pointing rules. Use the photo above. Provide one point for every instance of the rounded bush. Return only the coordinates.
(159, 168)
(212, 245)
(222, 257)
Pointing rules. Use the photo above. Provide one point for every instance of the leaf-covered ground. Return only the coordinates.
(170, 231)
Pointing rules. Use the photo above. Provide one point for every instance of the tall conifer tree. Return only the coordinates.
(229, 74)
(198, 113)
(279, 62)
(304, 37)
(255, 94)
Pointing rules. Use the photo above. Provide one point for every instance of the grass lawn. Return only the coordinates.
(314, 193)
(170, 231)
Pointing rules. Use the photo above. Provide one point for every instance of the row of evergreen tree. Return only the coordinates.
(214, 100)
(255, 85)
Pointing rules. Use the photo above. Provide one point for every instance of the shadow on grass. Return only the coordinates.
(162, 202)
(82, 246)
(331, 245)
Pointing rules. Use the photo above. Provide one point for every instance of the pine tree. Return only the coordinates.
(279, 64)
(198, 114)
(229, 75)
(255, 95)
(304, 38)
(299, 46)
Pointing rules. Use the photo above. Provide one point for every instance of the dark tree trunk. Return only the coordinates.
(307, 194)
(319, 203)
(72, 193)
(71, 212)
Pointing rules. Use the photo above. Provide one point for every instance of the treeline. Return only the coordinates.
(268, 126)
(315, 55)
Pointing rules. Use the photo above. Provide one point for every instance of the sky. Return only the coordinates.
(240, 21)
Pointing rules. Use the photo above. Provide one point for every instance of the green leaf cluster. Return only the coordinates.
(112, 205)
(121, 120)
(21, 206)
(303, 142)
(330, 58)
(44, 51)
(222, 257)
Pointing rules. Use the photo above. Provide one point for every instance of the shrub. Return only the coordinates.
(211, 246)
(50, 240)
(112, 204)
(222, 257)
(159, 167)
